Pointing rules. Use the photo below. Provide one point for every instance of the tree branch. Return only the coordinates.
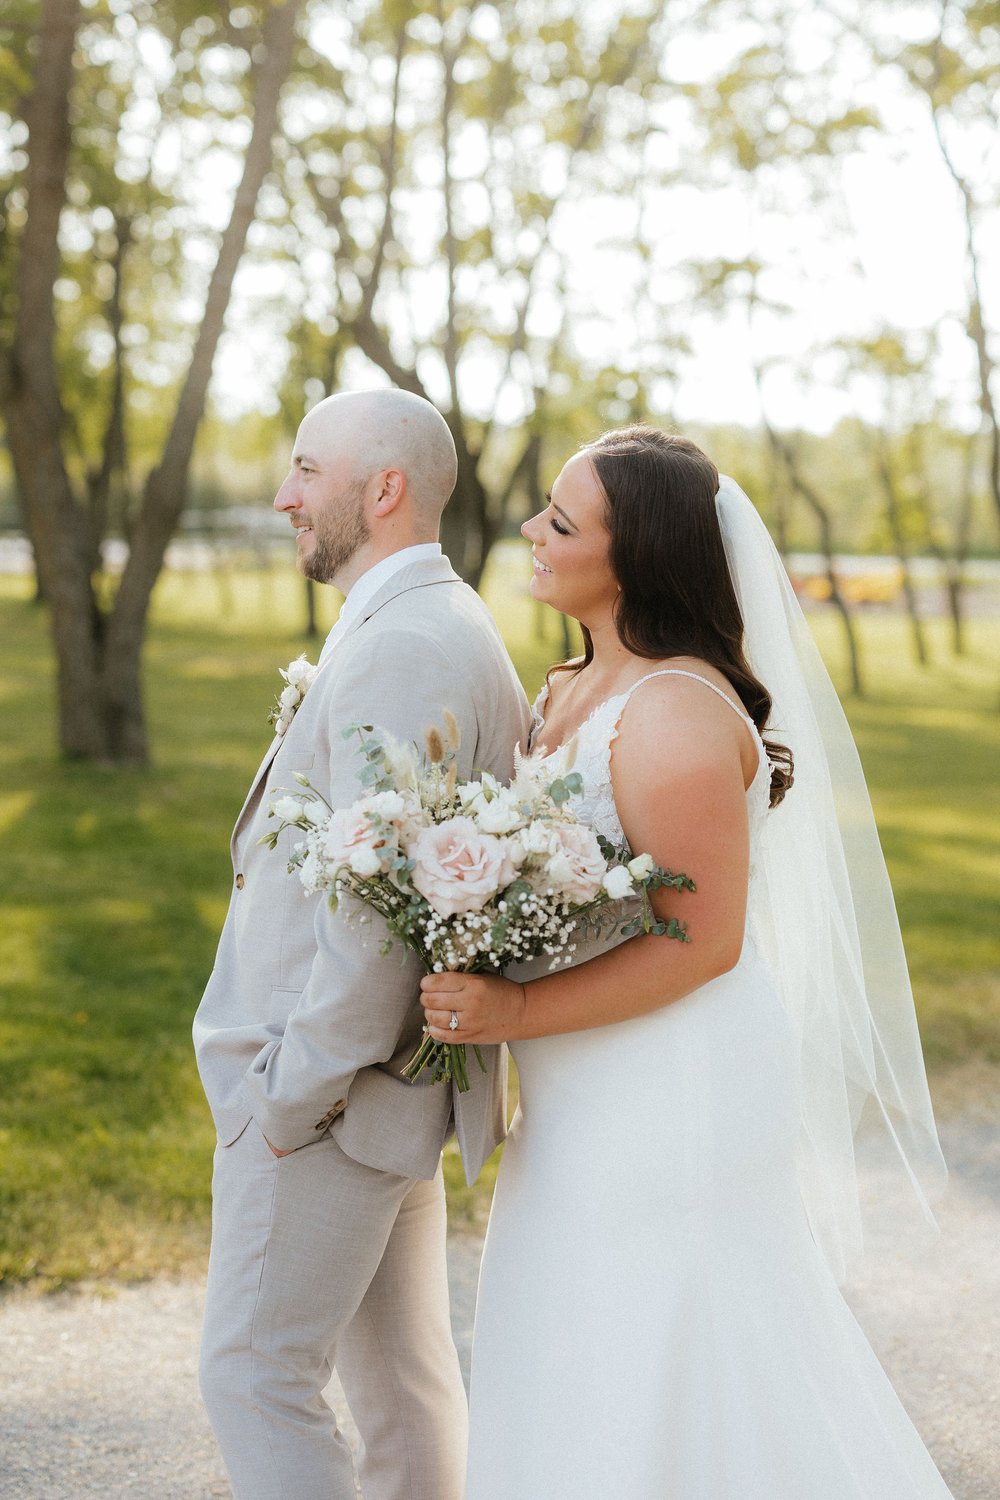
(975, 325)
(47, 117)
(450, 247)
(390, 168)
(165, 490)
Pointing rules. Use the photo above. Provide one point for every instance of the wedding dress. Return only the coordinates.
(655, 1318)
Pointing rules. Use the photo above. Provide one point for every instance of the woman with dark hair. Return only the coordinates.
(659, 1316)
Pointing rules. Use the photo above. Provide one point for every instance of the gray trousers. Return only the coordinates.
(319, 1261)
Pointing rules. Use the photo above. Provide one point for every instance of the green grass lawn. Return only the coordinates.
(115, 888)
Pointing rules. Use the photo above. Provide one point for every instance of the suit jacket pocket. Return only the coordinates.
(281, 1005)
(297, 761)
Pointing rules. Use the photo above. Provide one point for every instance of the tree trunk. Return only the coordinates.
(894, 515)
(975, 324)
(165, 491)
(801, 487)
(952, 560)
(957, 563)
(29, 392)
(99, 658)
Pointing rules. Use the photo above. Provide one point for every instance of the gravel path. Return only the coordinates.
(98, 1394)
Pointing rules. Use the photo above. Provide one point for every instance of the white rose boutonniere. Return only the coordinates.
(298, 675)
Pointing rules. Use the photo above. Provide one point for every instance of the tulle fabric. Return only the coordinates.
(823, 908)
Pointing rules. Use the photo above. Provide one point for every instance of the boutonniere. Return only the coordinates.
(298, 675)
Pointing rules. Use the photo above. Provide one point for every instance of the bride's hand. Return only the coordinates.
(488, 1008)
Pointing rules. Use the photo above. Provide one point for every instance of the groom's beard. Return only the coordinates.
(339, 537)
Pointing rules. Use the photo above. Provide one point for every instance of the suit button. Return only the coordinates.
(340, 1104)
(240, 882)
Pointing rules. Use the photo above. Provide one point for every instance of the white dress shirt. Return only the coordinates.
(368, 585)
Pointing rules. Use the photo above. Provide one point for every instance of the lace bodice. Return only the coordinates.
(597, 734)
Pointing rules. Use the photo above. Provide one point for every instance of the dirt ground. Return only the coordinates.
(99, 1396)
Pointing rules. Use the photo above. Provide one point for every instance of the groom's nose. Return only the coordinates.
(286, 498)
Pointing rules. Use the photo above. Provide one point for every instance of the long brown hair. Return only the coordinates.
(677, 596)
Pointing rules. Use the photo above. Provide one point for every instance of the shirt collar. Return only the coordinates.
(368, 585)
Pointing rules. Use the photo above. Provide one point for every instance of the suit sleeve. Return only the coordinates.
(355, 1002)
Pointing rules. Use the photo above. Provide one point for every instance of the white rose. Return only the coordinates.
(389, 806)
(536, 838)
(618, 883)
(577, 865)
(641, 866)
(290, 697)
(288, 809)
(500, 815)
(516, 851)
(364, 861)
(299, 672)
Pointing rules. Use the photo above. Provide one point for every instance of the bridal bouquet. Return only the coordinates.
(468, 875)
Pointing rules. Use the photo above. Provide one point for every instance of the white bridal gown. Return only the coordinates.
(655, 1321)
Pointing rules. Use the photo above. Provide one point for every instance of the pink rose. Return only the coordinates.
(350, 839)
(457, 868)
(576, 867)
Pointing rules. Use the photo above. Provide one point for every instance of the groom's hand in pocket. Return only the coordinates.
(488, 1009)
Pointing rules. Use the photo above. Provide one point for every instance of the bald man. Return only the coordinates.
(328, 1227)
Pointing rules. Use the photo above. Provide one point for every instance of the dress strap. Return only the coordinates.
(758, 738)
(696, 677)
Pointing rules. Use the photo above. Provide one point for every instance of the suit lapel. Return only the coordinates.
(417, 575)
(422, 574)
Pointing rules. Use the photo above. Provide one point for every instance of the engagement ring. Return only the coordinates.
(453, 1023)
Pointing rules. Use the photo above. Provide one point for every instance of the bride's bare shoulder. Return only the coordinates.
(683, 679)
(674, 705)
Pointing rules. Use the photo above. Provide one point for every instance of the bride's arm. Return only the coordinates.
(678, 776)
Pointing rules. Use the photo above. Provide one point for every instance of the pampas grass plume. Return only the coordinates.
(435, 745)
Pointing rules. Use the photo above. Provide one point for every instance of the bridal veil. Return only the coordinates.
(823, 910)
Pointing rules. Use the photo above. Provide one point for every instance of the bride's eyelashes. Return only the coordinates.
(562, 530)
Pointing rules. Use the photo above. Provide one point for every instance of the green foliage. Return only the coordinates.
(157, 87)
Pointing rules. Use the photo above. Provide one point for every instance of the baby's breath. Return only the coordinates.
(524, 878)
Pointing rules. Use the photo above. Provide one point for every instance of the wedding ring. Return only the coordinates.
(453, 1023)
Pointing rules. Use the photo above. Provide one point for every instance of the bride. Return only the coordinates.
(659, 1316)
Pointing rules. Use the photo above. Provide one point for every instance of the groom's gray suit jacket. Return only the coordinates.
(304, 1026)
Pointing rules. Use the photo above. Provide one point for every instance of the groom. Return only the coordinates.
(328, 1234)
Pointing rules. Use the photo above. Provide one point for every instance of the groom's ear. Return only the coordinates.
(390, 487)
